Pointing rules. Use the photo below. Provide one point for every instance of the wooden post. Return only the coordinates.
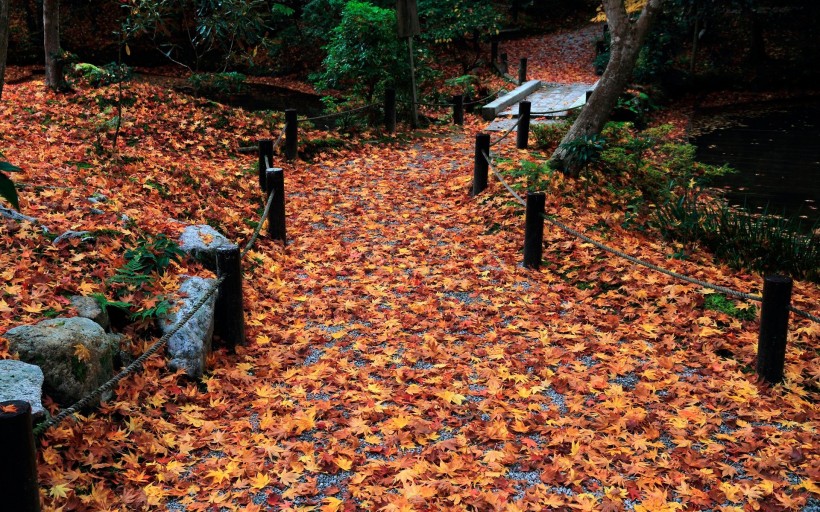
(276, 214)
(19, 490)
(493, 50)
(523, 136)
(229, 317)
(390, 110)
(291, 133)
(587, 96)
(522, 71)
(481, 166)
(534, 229)
(265, 151)
(774, 326)
(458, 109)
(505, 67)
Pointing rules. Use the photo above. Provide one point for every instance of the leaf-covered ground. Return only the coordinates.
(399, 357)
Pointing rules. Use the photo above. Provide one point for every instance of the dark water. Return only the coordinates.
(776, 148)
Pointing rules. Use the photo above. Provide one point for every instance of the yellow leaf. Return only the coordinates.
(344, 463)
(82, 353)
(260, 481)
(331, 504)
(58, 491)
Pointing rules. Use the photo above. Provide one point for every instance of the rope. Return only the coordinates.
(482, 100)
(128, 370)
(722, 289)
(507, 133)
(548, 112)
(137, 363)
(336, 114)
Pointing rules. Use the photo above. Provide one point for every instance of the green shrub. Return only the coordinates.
(585, 149)
(762, 242)
(548, 135)
(719, 302)
(96, 76)
(217, 83)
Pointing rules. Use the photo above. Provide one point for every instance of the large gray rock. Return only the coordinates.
(22, 381)
(75, 354)
(88, 307)
(202, 242)
(190, 346)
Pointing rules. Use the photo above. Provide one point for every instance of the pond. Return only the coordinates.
(775, 146)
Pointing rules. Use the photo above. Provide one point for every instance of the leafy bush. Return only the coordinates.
(96, 76)
(763, 242)
(584, 150)
(217, 83)
(148, 259)
(7, 190)
(548, 135)
(719, 302)
(363, 54)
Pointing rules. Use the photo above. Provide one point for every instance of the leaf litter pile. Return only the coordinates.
(398, 356)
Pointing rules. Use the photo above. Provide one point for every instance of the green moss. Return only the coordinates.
(78, 369)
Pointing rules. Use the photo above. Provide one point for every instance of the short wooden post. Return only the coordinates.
(481, 166)
(291, 133)
(587, 96)
(458, 109)
(229, 317)
(522, 70)
(505, 67)
(523, 136)
(19, 490)
(493, 50)
(534, 229)
(774, 326)
(265, 160)
(390, 110)
(276, 214)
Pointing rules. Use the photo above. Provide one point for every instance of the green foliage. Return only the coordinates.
(445, 21)
(159, 309)
(465, 83)
(96, 76)
(147, 259)
(763, 242)
(537, 175)
(719, 302)
(7, 190)
(363, 54)
(217, 83)
(585, 149)
(635, 107)
(548, 135)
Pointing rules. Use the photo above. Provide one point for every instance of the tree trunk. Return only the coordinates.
(627, 39)
(4, 41)
(51, 43)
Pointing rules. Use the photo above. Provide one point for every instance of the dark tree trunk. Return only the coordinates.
(4, 41)
(627, 39)
(51, 43)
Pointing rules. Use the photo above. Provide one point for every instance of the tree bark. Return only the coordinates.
(51, 43)
(627, 38)
(4, 41)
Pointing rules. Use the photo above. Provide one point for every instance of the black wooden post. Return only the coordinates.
(276, 214)
(291, 133)
(587, 96)
(229, 317)
(774, 325)
(265, 160)
(493, 50)
(19, 490)
(523, 136)
(482, 166)
(390, 110)
(458, 109)
(534, 229)
(522, 70)
(505, 67)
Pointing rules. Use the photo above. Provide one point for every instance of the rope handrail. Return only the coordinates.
(337, 114)
(137, 363)
(482, 100)
(692, 280)
(548, 112)
(506, 134)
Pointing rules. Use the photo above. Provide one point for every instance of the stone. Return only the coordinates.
(22, 381)
(188, 349)
(75, 355)
(202, 242)
(88, 307)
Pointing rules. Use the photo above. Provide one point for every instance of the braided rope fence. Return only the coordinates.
(692, 280)
(137, 364)
(338, 114)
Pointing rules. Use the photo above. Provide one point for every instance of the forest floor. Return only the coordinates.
(398, 356)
